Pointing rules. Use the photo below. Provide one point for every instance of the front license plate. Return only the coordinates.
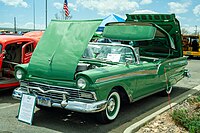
(44, 101)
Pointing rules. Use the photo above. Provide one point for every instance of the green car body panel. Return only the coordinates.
(137, 79)
(55, 61)
(60, 46)
(167, 21)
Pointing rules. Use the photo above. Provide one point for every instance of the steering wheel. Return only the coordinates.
(8, 56)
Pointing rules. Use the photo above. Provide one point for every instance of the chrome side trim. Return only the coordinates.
(136, 73)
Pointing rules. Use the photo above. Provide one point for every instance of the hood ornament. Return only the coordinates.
(50, 61)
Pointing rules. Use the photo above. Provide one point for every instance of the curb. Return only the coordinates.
(134, 127)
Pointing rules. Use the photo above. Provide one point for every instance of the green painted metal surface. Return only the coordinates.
(60, 49)
(131, 32)
(167, 21)
(138, 80)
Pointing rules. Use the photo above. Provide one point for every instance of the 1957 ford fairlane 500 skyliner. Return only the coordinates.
(67, 71)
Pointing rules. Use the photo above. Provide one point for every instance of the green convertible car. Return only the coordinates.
(70, 72)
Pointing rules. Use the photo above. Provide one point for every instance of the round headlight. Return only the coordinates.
(81, 83)
(19, 74)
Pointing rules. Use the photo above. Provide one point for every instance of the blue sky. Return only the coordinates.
(187, 11)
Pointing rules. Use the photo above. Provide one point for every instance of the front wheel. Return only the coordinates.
(112, 109)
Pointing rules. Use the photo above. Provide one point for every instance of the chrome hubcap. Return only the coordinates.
(111, 105)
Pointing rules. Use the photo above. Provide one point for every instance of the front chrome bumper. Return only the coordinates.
(77, 106)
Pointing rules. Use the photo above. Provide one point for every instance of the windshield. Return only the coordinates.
(113, 53)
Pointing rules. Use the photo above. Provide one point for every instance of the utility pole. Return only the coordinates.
(46, 13)
(15, 27)
(33, 14)
(195, 30)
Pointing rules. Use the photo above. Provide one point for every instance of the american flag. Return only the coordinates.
(65, 7)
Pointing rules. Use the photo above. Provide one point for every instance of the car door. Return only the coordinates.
(27, 50)
(147, 81)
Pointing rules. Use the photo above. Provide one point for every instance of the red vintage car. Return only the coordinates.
(13, 50)
(34, 34)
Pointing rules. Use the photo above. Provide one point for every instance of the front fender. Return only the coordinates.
(22, 66)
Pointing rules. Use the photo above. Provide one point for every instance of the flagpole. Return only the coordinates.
(15, 25)
(33, 14)
(46, 13)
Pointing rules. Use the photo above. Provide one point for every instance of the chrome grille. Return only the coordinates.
(56, 97)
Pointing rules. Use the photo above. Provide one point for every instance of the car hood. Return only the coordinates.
(60, 49)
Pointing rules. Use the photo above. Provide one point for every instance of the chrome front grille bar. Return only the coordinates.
(56, 93)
